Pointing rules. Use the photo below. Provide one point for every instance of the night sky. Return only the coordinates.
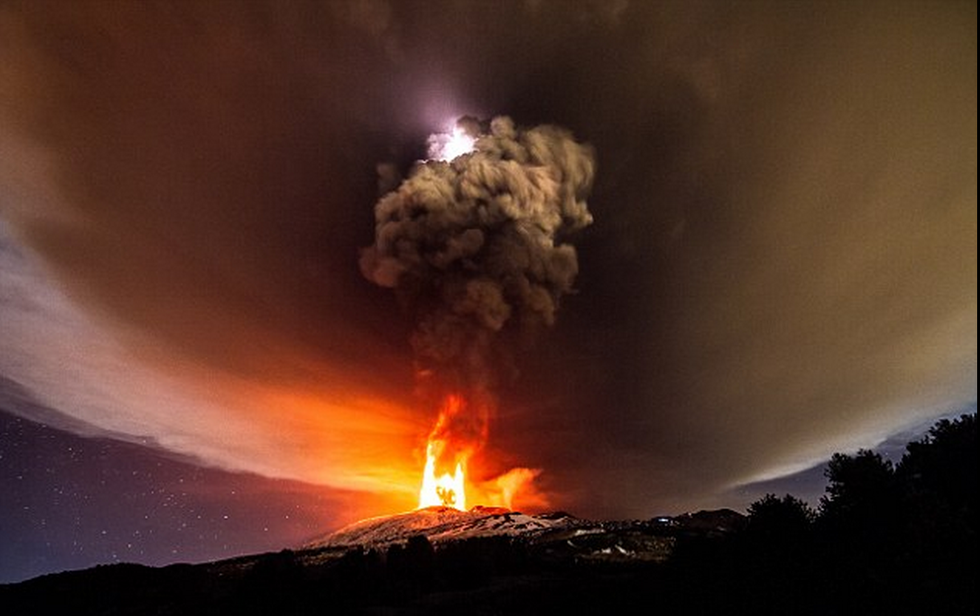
(72, 502)
(782, 262)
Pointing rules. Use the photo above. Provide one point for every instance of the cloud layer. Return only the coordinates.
(782, 264)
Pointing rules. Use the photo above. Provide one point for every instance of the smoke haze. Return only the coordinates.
(782, 262)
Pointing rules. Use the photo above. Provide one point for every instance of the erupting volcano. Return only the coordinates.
(444, 488)
(473, 242)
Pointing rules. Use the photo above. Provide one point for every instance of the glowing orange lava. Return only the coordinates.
(460, 432)
(444, 488)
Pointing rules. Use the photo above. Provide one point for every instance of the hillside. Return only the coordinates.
(417, 562)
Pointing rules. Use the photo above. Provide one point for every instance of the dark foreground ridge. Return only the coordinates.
(885, 540)
(432, 561)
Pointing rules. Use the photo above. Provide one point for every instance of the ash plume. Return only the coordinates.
(478, 245)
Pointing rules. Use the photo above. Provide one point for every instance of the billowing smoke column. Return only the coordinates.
(475, 247)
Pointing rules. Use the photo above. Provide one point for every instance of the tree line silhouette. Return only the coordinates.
(885, 539)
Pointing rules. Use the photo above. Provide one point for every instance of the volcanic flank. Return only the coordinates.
(474, 244)
(443, 524)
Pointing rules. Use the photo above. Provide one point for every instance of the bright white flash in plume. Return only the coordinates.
(447, 146)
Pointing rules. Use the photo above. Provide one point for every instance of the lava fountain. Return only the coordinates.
(445, 489)
(449, 447)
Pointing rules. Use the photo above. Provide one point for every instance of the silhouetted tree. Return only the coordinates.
(910, 528)
(773, 564)
(943, 464)
(861, 495)
(785, 519)
(938, 475)
(860, 526)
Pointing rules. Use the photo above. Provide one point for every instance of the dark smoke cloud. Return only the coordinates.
(476, 249)
(477, 245)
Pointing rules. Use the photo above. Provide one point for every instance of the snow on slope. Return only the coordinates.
(440, 524)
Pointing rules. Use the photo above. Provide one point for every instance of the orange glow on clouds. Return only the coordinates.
(302, 420)
(448, 453)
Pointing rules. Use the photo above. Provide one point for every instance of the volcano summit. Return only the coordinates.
(444, 524)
